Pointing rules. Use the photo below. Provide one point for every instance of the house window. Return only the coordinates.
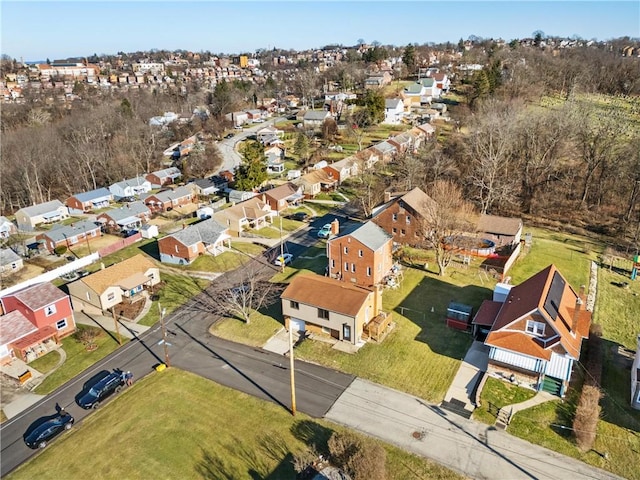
(294, 305)
(402, 232)
(346, 266)
(360, 253)
(395, 217)
(368, 271)
(346, 250)
(111, 296)
(395, 230)
(333, 263)
(324, 314)
(537, 328)
(353, 268)
(61, 324)
(50, 310)
(408, 219)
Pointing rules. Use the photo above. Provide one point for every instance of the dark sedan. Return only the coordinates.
(104, 387)
(42, 434)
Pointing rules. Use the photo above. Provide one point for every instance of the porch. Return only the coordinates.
(36, 344)
(378, 328)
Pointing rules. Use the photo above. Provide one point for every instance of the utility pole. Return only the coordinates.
(115, 321)
(293, 383)
(164, 337)
(281, 246)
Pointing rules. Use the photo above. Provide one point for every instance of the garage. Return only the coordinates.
(296, 324)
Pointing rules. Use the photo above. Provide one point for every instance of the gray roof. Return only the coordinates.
(369, 234)
(8, 256)
(385, 147)
(41, 208)
(392, 102)
(169, 195)
(167, 172)
(132, 209)
(131, 182)
(93, 195)
(315, 115)
(207, 231)
(60, 232)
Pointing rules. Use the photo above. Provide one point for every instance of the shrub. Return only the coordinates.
(60, 250)
(362, 459)
(587, 416)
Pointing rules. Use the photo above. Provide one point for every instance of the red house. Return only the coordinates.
(47, 309)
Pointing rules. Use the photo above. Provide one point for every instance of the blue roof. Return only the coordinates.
(93, 195)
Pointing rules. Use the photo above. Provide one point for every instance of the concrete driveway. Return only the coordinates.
(463, 386)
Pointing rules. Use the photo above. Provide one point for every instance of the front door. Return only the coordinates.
(346, 332)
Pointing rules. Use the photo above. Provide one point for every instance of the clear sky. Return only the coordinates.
(53, 29)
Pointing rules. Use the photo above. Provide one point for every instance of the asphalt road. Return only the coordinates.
(251, 370)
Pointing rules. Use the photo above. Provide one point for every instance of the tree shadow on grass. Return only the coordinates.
(426, 306)
(151, 249)
(312, 434)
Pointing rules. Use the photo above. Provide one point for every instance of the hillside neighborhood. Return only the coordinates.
(319, 230)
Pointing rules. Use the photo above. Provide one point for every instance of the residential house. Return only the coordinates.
(313, 119)
(536, 336)
(122, 282)
(89, 201)
(360, 255)
(130, 216)
(10, 261)
(443, 83)
(423, 91)
(325, 306)
(254, 115)
(368, 158)
(343, 169)
(314, 182)
(254, 213)
(385, 150)
(500, 230)
(69, 235)
(169, 199)
(377, 80)
(184, 246)
(635, 378)
(49, 212)
(393, 111)
(237, 196)
(130, 188)
(403, 216)
(208, 186)
(283, 196)
(237, 118)
(7, 227)
(270, 135)
(428, 129)
(161, 178)
(403, 142)
(36, 319)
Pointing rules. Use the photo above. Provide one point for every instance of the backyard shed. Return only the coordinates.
(459, 316)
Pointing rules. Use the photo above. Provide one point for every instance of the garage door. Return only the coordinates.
(297, 325)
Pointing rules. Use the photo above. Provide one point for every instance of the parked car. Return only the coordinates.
(284, 259)
(238, 127)
(240, 289)
(325, 231)
(128, 233)
(230, 135)
(103, 387)
(299, 216)
(42, 434)
(70, 277)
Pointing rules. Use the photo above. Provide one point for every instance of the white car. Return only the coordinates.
(325, 231)
(284, 259)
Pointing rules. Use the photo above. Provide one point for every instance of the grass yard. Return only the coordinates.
(228, 260)
(78, 358)
(496, 395)
(180, 435)
(264, 325)
(176, 290)
(47, 362)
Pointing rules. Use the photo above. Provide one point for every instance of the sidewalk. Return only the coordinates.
(463, 387)
(471, 448)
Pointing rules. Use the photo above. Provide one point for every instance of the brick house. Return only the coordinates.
(36, 319)
(283, 196)
(89, 201)
(161, 178)
(403, 216)
(69, 235)
(184, 246)
(131, 215)
(361, 255)
(169, 199)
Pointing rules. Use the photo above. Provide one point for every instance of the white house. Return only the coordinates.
(393, 111)
(10, 261)
(29, 217)
(6, 227)
(130, 187)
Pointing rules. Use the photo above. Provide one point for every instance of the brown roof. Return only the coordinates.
(418, 201)
(40, 295)
(14, 325)
(499, 225)
(282, 192)
(317, 176)
(487, 313)
(529, 300)
(327, 293)
(252, 208)
(115, 274)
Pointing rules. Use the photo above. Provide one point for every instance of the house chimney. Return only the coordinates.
(387, 196)
(335, 227)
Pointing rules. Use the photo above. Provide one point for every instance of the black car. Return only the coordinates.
(230, 135)
(128, 233)
(103, 387)
(44, 432)
(300, 216)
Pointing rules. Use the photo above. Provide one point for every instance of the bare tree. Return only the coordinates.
(447, 216)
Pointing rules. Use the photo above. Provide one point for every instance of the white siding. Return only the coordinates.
(559, 366)
(515, 359)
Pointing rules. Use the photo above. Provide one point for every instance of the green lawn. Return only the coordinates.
(228, 260)
(47, 362)
(78, 359)
(497, 394)
(176, 290)
(264, 324)
(185, 432)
